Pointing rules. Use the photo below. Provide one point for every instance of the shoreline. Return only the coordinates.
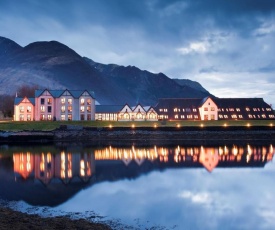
(139, 135)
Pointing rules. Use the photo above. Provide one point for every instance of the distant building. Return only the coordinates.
(213, 109)
(107, 112)
(64, 105)
(24, 109)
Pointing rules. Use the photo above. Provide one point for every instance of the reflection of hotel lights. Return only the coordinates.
(235, 151)
(220, 150)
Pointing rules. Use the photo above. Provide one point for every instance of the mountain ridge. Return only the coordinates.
(53, 65)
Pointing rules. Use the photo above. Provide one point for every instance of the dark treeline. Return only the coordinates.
(7, 101)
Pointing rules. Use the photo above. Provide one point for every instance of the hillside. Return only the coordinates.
(54, 65)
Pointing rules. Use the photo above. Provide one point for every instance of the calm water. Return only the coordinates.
(179, 187)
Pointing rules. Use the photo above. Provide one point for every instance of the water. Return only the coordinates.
(225, 186)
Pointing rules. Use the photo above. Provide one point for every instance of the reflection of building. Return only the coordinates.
(23, 164)
(48, 166)
(209, 157)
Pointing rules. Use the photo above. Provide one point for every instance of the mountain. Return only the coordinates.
(53, 65)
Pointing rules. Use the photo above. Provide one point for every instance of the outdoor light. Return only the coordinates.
(225, 125)
(201, 125)
(110, 126)
(248, 125)
(155, 126)
(271, 124)
(178, 125)
(133, 126)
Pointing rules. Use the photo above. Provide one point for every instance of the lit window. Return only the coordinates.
(63, 100)
(21, 108)
(268, 109)
(176, 116)
(212, 117)
(49, 117)
(234, 116)
(196, 116)
(247, 109)
(29, 109)
(263, 116)
(238, 109)
(194, 110)
(165, 110)
(205, 117)
(70, 109)
(69, 117)
(62, 117)
(28, 117)
(42, 108)
(82, 101)
(175, 109)
(225, 116)
(161, 110)
(231, 109)
(63, 108)
(183, 110)
(82, 108)
(182, 117)
(42, 117)
(271, 116)
(250, 116)
(205, 109)
(89, 101)
(212, 108)
(240, 116)
(21, 117)
(70, 101)
(89, 109)
(220, 116)
(49, 101)
(189, 116)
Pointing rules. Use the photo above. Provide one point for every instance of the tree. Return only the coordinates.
(26, 90)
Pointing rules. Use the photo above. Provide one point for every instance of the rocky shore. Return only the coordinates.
(10, 219)
(145, 135)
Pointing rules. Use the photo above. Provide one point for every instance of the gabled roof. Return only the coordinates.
(58, 93)
(18, 100)
(108, 108)
(175, 102)
(240, 102)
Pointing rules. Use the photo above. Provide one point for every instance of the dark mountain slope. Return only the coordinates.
(145, 87)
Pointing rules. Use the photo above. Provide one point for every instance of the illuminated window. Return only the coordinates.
(82, 101)
(28, 117)
(268, 109)
(189, 116)
(238, 109)
(70, 109)
(70, 117)
(21, 108)
(182, 117)
(165, 110)
(42, 117)
(29, 109)
(49, 101)
(220, 116)
(89, 101)
(176, 116)
(183, 110)
(212, 108)
(194, 110)
(231, 109)
(175, 109)
(212, 117)
(205, 117)
(42, 108)
(234, 116)
(263, 116)
(62, 117)
(161, 110)
(225, 116)
(250, 116)
(205, 109)
(70, 101)
(247, 109)
(196, 116)
(63, 109)
(63, 100)
(240, 116)
(271, 116)
(82, 108)
(89, 109)
(21, 117)
(49, 117)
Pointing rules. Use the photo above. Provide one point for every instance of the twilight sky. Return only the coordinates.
(226, 45)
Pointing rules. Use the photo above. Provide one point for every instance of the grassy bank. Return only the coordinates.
(51, 125)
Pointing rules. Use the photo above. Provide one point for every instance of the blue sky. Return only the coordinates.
(227, 46)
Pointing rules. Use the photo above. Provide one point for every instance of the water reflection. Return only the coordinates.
(66, 166)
